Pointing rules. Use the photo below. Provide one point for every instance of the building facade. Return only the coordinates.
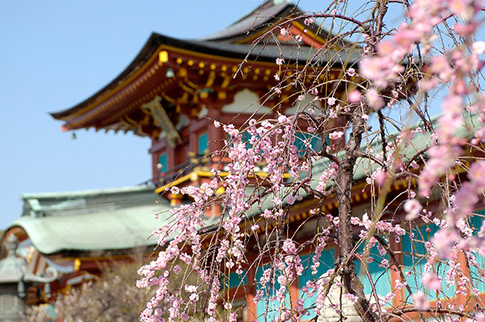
(172, 93)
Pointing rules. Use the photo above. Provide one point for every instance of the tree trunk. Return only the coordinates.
(344, 179)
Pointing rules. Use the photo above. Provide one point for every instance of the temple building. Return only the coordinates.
(175, 89)
(62, 239)
(171, 93)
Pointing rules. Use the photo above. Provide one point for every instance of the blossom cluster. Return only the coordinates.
(273, 142)
(246, 191)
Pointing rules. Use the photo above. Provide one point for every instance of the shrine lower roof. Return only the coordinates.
(107, 219)
(104, 230)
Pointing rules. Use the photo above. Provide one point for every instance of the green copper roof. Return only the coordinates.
(110, 229)
(93, 220)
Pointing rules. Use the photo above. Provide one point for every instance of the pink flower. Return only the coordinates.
(380, 177)
(463, 8)
(354, 96)
(331, 101)
(282, 119)
(185, 258)
(191, 288)
(309, 21)
(267, 214)
(480, 317)
(290, 200)
(412, 207)
(351, 297)
(177, 269)
(283, 31)
(175, 190)
(384, 263)
(351, 72)
(371, 68)
(443, 241)
(431, 281)
(336, 135)
(217, 124)
(289, 246)
(400, 284)
(479, 47)
(420, 301)
(374, 99)
(279, 61)
(194, 297)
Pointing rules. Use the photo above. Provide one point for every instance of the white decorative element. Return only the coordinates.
(203, 112)
(329, 314)
(246, 102)
(307, 102)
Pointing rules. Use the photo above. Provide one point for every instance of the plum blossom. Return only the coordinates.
(309, 21)
(479, 47)
(412, 207)
(336, 135)
(420, 301)
(351, 72)
(282, 119)
(191, 288)
(374, 99)
(354, 96)
(273, 142)
(431, 281)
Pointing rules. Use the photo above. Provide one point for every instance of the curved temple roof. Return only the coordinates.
(175, 68)
(108, 219)
(105, 230)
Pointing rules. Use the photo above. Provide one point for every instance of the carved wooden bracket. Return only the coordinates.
(161, 119)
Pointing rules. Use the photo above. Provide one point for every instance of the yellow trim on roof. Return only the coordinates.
(193, 176)
(312, 34)
(155, 56)
(107, 95)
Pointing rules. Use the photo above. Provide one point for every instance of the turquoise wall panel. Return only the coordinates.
(476, 222)
(415, 258)
(326, 261)
(163, 162)
(203, 144)
(380, 275)
(268, 308)
(235, 280)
